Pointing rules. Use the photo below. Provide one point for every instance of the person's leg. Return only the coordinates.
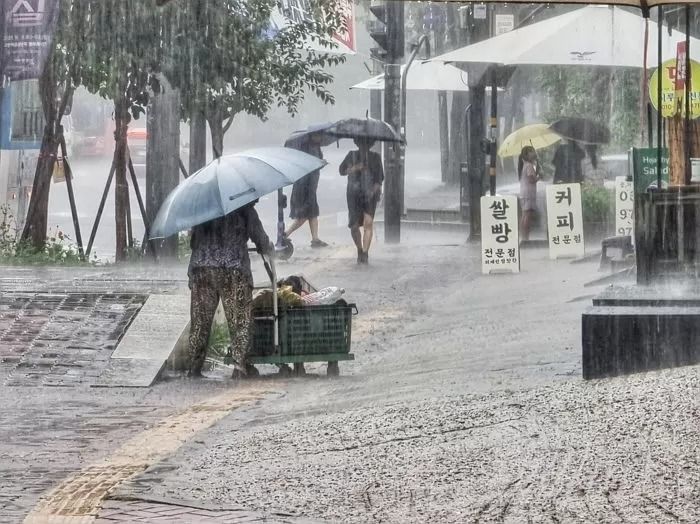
(237, 297)
(204, 301)
(357, 239)
(525, 223)
(368, 225)
(298, 222)
(313, 226)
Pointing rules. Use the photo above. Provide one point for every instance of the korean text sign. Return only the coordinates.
(565, 221)
(499, 234)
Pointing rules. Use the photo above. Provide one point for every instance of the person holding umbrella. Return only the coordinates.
(220, 270)
(528, 176)
(217, 203)
(365, 177)
(304, 204)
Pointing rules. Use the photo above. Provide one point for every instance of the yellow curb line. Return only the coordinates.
(77, 500)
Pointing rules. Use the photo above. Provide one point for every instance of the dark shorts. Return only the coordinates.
(303, 202)
(359, 205)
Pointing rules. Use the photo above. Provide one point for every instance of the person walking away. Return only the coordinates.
(304, 203)
(220, 270)
(527, 173)
(364, 191)
(567, 163)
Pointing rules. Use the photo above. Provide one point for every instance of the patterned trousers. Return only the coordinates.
(234, 289)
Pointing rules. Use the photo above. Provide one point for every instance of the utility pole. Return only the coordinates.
(390, 37)
(162, 156)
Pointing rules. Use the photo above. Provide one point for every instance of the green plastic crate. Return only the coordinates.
(308, 330)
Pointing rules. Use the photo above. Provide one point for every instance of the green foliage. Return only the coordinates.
(598, 204)
(219, 342)
(57, 250)
(225, 61)
(609, 97)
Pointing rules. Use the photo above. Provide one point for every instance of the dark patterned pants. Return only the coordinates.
(234, 289)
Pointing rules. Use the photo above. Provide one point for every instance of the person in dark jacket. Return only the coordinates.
(567, 163)
(220, 270)
(365, 177)
(304, 204)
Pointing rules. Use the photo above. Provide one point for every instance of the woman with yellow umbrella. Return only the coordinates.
(523, 143)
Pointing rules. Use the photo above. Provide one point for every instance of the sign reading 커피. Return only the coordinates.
(500, 249)
(624, 207)
(565, 221)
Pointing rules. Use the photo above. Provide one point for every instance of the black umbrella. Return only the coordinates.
(581, 130)
(298, 139)
(364, 128)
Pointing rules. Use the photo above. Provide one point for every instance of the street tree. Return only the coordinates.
(61, 75)
(227, 59)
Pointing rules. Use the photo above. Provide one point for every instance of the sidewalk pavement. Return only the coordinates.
(465, 404)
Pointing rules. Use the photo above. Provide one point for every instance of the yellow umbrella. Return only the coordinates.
(538, 136)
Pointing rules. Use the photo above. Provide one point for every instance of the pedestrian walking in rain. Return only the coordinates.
(304, 204)
(527, 173)
(220, 270)
(365, 177)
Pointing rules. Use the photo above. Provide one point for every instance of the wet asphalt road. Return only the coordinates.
(465, 404)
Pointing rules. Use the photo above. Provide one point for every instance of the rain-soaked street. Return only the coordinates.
(465, 404)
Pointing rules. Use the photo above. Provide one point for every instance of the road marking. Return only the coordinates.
(77, 500)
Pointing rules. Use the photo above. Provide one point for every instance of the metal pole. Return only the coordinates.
(688, 80)
(659, 99)
(101, 208)
(494, 129)
(402, 157)
(71, 195)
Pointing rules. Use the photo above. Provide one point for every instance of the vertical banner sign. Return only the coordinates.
(500, 249)
(624, 207)
(565, 221)
(29, 28)
(301, 10)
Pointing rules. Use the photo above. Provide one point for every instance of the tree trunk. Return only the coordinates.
(36, 224)
(162, 159)
(121, 189)
(198, 142)
(215, 119)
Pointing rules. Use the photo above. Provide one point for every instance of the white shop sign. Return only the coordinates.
(565, 221)
(500, 249)
(624, 207)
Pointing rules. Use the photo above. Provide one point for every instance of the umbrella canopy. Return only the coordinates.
(538, 136)
(591, 36)
(581, 130)
(229, 183)
(367, 128)
(424, 76)
(297, 139)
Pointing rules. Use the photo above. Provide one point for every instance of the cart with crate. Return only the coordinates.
(286, 335)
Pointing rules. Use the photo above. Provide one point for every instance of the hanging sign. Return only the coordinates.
(624, 207)
(672, 100)
(565, 221)
(29, 27)
(500, 251)
(503, 24)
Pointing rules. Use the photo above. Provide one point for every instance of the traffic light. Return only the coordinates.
(389, 32)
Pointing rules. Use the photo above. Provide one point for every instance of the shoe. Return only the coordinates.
(318, 243)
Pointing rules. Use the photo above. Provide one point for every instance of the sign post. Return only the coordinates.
(565, 221)
(500, 251)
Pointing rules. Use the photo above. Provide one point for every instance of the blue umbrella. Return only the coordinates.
(229, 183)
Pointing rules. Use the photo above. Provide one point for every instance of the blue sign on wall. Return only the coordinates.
(21, 116)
